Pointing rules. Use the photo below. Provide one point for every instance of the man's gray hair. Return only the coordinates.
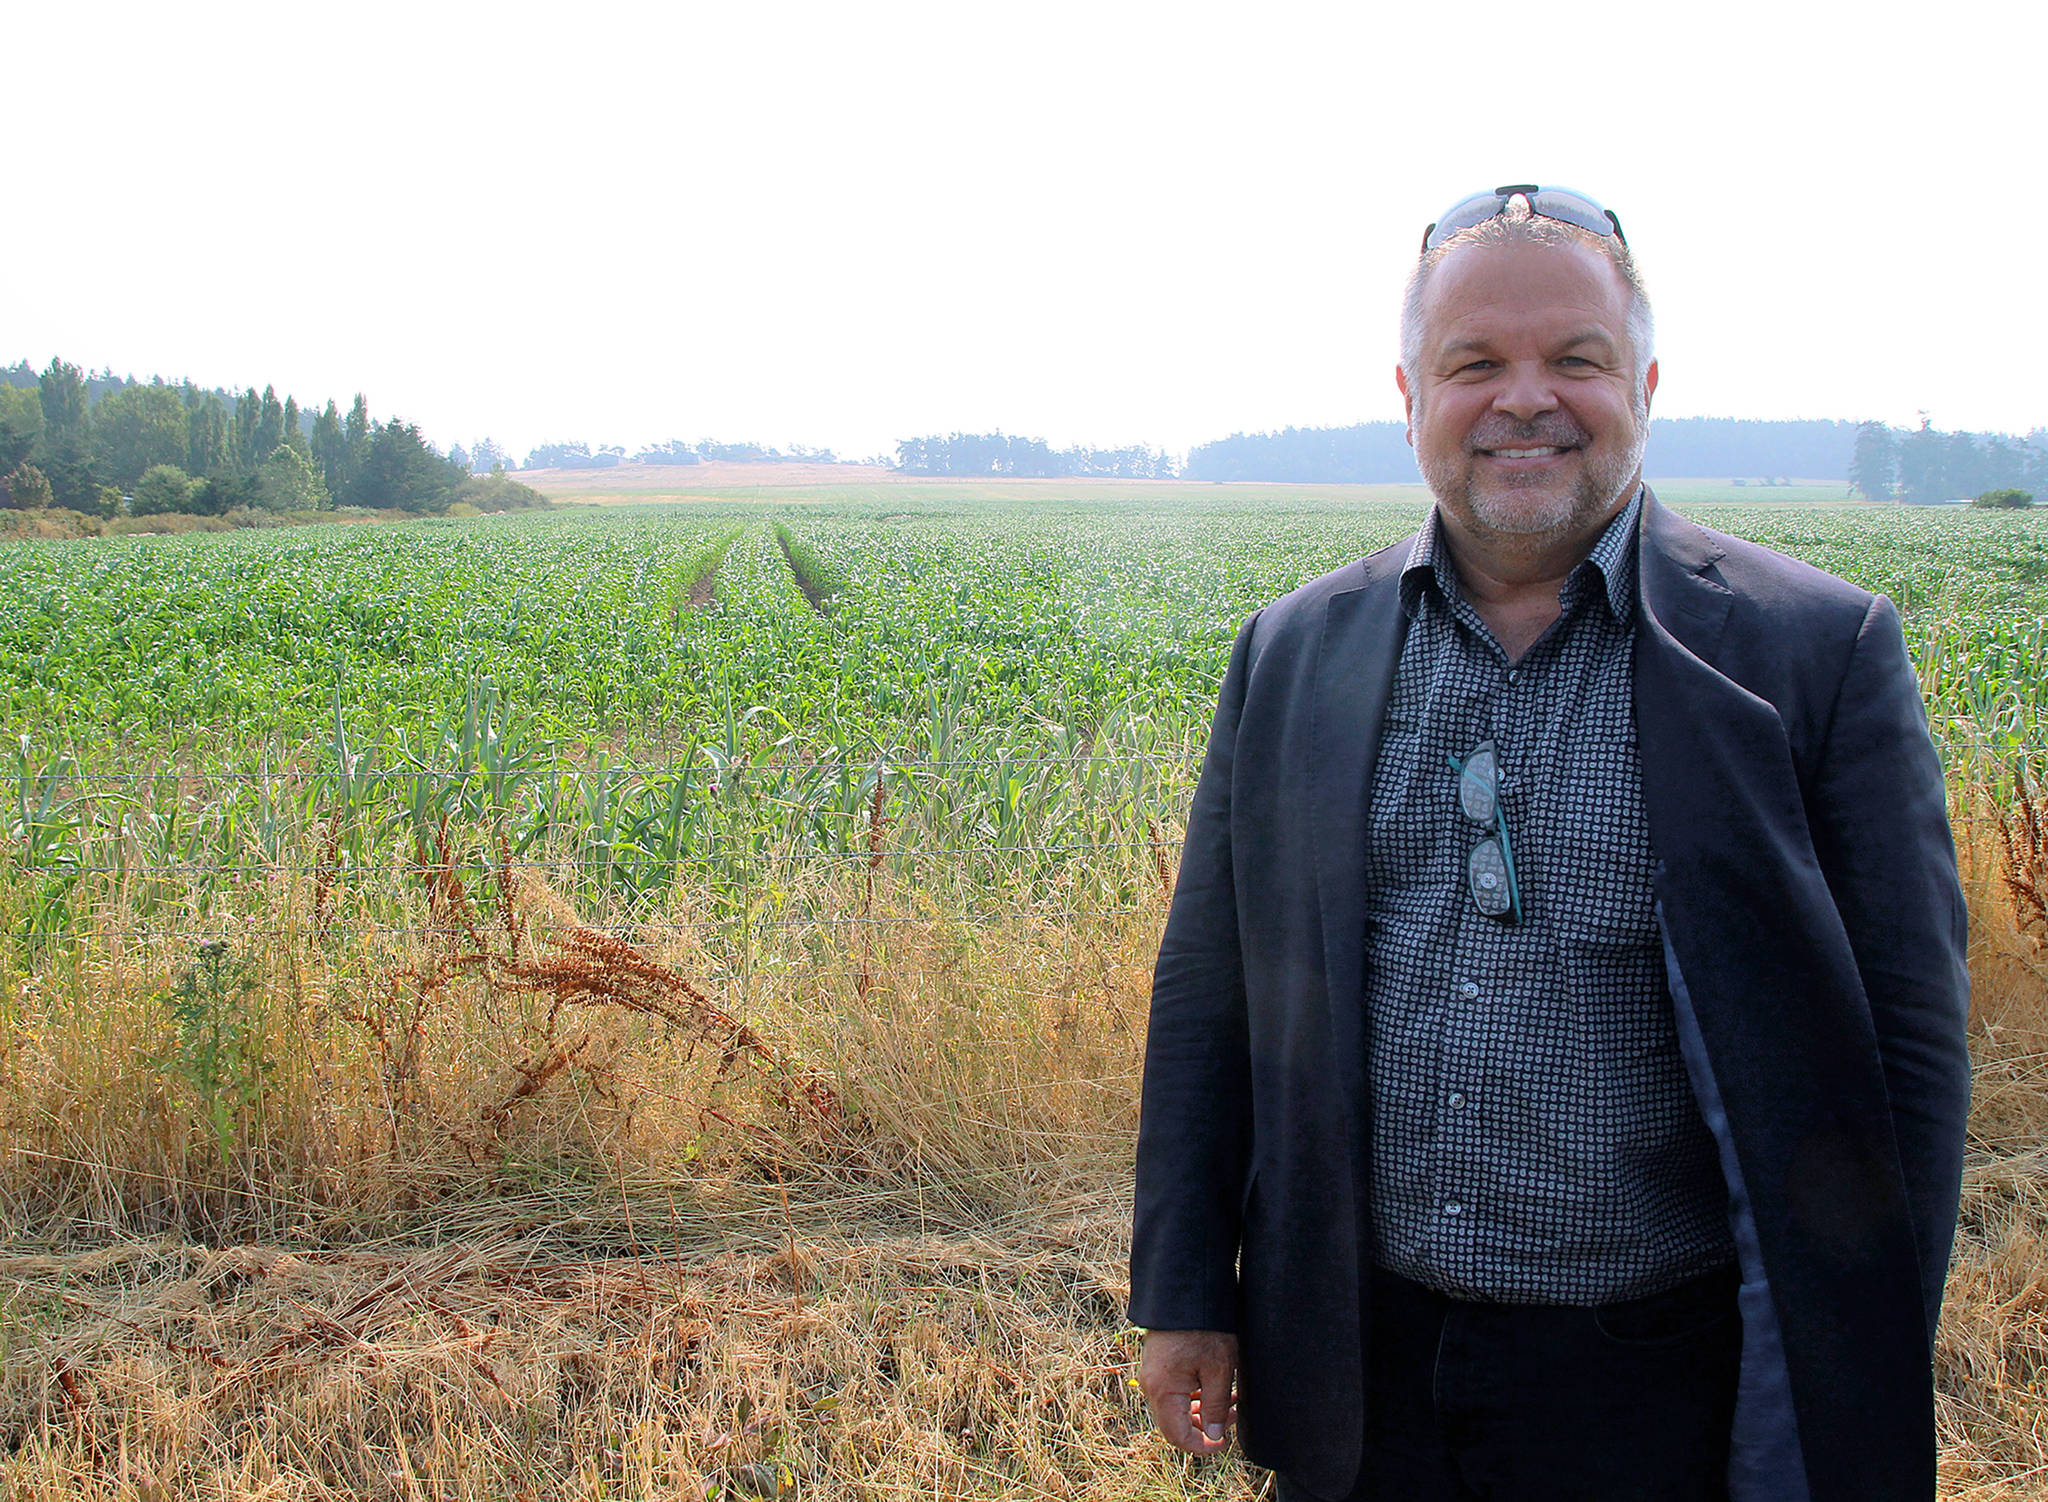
(1518, 226)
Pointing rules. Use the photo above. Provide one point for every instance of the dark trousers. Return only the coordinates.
(1516, 1403)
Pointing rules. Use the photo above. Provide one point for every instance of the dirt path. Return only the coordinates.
(704, 587)
(802, 575)
(702, 590)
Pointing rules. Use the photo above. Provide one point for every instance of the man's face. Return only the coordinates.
(1525, 415)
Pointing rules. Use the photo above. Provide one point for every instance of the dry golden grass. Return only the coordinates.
(487, 1229)
(1992, 1357)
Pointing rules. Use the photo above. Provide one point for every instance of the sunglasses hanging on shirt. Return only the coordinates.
(1490, 866)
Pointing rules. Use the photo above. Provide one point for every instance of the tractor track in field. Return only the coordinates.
(817, 592)
(701, 593)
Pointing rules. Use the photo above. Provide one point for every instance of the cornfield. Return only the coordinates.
(649, 1002)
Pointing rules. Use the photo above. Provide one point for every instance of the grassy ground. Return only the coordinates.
(494, 1216)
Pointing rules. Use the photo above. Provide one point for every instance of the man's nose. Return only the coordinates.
(1527, 392)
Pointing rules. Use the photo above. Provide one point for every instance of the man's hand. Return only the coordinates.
(1186, 1377)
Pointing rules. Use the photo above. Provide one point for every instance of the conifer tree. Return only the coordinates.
(1875, 462)
(269, 425)
(403, 472)
(64, 398)
(329, 448)
(62, 455)
(355, 444)
(206, 437)
(21, 425)
(248, 417)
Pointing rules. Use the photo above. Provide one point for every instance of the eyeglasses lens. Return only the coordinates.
(1490, 868)
(1479, 784)
(1486, 872)
(1555, 203)
(1552, 203)
(1463, 214)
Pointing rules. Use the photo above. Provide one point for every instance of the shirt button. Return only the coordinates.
(1469, 990)
(1457, 1100)
(1514, 674)
(1454, 1208)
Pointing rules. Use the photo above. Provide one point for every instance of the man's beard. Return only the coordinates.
(1527, 506)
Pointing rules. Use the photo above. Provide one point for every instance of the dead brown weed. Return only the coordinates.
(636, 1299)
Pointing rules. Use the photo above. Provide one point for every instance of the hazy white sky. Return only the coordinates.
(843, 224)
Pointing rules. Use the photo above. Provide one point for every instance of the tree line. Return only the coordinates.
(1925, 466)
(1377, 453)
(1365, 453)
(1922, 466)
(674, 451)
(106, 446)
(999, 453)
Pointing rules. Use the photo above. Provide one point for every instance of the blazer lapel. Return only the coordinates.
(1363, 629)
(1674, 584)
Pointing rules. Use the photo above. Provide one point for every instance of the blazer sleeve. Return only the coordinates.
(1880, 813)
(1194, 1127)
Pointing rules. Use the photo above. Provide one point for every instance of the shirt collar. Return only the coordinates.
(1613, 556)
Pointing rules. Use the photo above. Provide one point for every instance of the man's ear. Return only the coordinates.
(1408, 401)
(1649, 383)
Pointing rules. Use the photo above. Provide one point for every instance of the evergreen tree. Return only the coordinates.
(221, 492)
(2035, 450)
(1874, 463)
(21, 425)
(356, 434)
(1964, 468)
(248, 418)
(61, 389)
(403, 472)
(1922, 477)
(2005, 462)
(329, 450)
(269, 426)
(206, 436)
(63, 454)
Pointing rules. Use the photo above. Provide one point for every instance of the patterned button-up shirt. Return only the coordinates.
(1534, 1135)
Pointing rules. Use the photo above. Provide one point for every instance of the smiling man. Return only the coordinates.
(1556, 1079)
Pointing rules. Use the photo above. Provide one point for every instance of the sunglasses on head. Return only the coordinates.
(1561, 204)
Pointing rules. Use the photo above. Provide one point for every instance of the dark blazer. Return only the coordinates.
(1813, 931)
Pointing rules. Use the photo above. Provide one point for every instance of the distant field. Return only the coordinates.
(646, 999)
(857, 484)
(639, 629)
